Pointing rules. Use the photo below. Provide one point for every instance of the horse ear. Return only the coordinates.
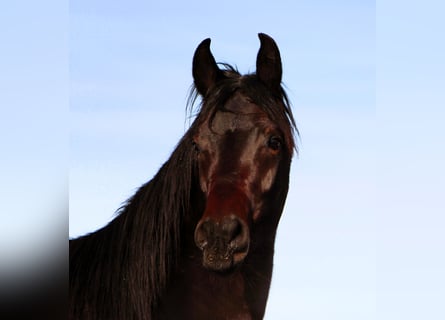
(268, 63)
(205, 70)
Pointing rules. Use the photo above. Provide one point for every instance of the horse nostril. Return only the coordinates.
(230, 228)
(236, 233)
(203, 231)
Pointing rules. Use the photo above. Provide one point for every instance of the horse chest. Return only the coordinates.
(201, 294)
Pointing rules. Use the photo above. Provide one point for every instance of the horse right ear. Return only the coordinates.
(268, 63)
(205, 70)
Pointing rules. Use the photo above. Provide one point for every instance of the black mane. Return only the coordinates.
(140, 246)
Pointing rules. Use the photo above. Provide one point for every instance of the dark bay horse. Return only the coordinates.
(197, 241)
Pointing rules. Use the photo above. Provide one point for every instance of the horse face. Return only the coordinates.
(238, 152)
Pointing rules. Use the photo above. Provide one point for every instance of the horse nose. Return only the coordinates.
(224, 243)
(231, 231)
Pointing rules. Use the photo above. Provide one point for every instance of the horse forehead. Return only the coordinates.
(238, 114)
(241, 104)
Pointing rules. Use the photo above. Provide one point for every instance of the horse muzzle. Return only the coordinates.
(224, 243)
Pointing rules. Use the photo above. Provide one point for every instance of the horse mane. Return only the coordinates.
(129, 260)
(126, 265)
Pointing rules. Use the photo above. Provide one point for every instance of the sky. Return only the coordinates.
(96, 92)
(130, 71)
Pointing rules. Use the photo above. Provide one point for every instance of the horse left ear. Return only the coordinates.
(205, 70)
(268, 63)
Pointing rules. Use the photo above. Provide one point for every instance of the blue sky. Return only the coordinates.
(33, 140)
(130, 68)
(98, 89)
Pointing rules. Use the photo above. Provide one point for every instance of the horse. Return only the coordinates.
(197, 240)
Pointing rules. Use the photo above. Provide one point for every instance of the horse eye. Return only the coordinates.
(274, 143)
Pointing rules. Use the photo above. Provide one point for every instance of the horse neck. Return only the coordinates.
(127, 260)
(204, 294)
